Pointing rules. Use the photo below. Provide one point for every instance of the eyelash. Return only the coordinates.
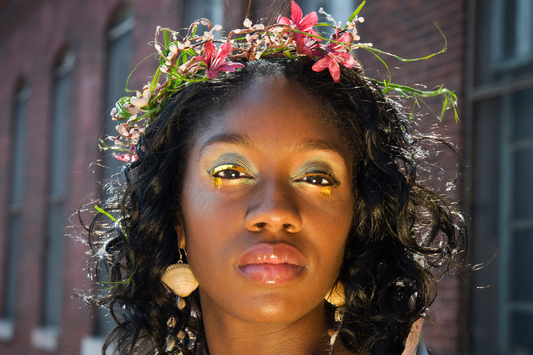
(322, 176)
(325, 189)
(223, 170)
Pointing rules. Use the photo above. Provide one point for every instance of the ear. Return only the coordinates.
(180, 232)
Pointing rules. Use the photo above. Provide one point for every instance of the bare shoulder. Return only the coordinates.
(412, 340)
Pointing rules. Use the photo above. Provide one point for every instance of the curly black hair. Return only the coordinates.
(401, 229)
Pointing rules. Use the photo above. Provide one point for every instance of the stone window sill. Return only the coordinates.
(45, 338)
(7, 330)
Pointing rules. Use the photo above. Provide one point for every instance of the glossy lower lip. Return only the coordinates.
(271, 273)
(271, 263)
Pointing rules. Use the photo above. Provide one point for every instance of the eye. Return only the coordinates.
(229, 171)
(321, 179)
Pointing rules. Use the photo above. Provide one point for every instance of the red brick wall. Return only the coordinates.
(406, 28)
(32, 34)
(33, 40)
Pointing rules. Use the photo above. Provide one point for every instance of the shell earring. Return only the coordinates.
(336, 296)
(179, 278)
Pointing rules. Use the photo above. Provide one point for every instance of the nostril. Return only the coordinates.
(286, 225)
(261, 224)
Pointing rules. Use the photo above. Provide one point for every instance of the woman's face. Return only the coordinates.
(267, 206)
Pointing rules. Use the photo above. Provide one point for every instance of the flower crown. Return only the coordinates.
(195, 58)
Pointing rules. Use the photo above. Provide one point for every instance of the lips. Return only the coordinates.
(271, 263)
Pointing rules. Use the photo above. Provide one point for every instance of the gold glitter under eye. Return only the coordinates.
(325, 190)
(216, 181)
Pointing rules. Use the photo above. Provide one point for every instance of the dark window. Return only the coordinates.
(18, 171)
(57, 190)
(120, 50)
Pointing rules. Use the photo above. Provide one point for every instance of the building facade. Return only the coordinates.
(66, 63)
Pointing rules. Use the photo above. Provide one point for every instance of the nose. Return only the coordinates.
(273, 209)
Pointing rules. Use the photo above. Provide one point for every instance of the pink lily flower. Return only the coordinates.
(308, 46)
(214, 60)
(335, 54)
(304, 44)
(296, 21)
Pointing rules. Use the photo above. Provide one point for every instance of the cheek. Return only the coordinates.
(210, 222)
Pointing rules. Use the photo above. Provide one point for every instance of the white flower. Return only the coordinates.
(123, 130)
(139, 102)
(157, 47)
(203, 22)
(164, 69)
(361, 19)
(208, 36)
(173, 48)
(259, 27)
(174, 37)
(132, 109)
(247, 23)
(217, 28)
(237, 31)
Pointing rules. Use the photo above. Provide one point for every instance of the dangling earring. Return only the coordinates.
(336, 296)
(179, 278)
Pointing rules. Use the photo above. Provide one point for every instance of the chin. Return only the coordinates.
(276, 309)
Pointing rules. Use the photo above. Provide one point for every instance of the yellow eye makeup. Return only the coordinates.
(324, 180)
(225, 171)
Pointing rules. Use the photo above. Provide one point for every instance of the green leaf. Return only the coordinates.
(194, 31)
(324, 24)
(356, 12)
(107, 214)
(288, 54)
(128, 80)
(444, 49)
(166, 37)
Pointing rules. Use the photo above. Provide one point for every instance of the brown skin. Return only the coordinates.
(270, 201)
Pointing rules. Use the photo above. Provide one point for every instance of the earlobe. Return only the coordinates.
(180, 232)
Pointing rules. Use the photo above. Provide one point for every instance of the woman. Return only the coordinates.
(270, 209)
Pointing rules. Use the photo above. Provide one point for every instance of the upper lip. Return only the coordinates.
(265, 253)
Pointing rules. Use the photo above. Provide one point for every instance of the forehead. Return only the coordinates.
(277, 112)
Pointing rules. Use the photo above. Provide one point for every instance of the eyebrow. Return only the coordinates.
(319, 144)
(245, 141)
(234, 138)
